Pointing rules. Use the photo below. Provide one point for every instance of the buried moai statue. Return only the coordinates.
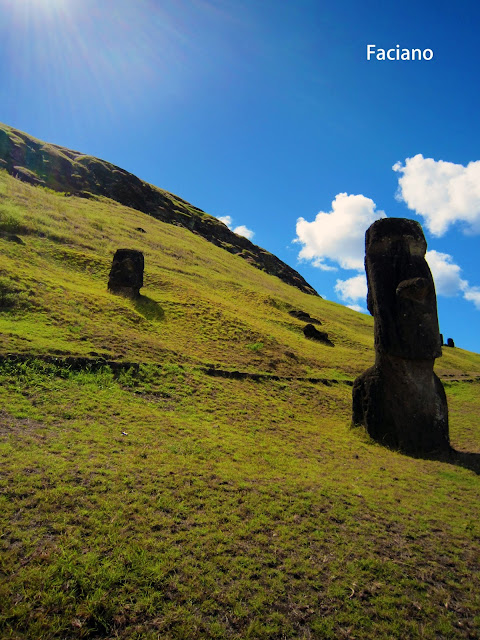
(400, 400)
(126, 274)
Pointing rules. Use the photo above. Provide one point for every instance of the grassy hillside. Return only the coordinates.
(143, 495)
(74, 173)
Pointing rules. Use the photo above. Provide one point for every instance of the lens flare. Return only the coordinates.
(85, 52)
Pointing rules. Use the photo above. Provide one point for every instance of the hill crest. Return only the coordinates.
(72, 172)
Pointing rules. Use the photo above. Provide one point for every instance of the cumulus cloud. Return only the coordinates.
(338, 236)
(445, 273)
(441, 192)
(473, 295)
(356, 307)
(448, 281)
(352, 289)
(226, 220)
(241, 230)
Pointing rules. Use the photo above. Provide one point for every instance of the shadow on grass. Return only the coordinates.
(463, 459)
(468, 460)
(149, 309)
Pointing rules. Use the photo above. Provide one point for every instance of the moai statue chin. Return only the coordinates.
(400, 400)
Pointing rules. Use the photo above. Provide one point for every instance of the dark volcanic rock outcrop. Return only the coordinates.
(72, 172)
(400, 400)
(126, 274)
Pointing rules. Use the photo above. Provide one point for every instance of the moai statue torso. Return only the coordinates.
(400, 400)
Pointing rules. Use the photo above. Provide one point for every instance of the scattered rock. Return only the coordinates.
(314, 334)
(126, 274)
(400, 400)
(140, 229)
(304, 316)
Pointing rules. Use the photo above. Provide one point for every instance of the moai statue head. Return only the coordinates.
(126, 274)
(401, 293)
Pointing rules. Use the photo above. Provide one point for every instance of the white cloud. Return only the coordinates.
(447, 278)
(242, 230)
(352, 289)
(226, 220)
(473, 295)
(441, 192)
(356, 307)
(339, 235)
(445, 273)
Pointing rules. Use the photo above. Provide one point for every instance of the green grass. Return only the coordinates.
(156, 501)
(165, 504)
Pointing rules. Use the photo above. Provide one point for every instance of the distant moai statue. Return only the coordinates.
(126, 274)
(450, 342)
(400, 400)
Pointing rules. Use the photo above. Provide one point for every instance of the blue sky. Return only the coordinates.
(267, 112)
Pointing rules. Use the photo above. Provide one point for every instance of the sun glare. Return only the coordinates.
(110, 54)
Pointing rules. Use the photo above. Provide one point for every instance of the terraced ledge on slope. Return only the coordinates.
(244, 375)
(79, 363)
(74, 173)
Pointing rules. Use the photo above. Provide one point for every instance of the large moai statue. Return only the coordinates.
(126, 274)
(400, 400)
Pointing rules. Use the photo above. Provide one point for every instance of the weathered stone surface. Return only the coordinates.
(314, 334)
(401, 293)
(126, 274)
(400, 400)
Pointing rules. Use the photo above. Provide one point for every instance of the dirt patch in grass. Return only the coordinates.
(10, 425)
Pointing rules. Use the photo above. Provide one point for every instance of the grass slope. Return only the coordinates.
(161, 502)
(68, 171)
